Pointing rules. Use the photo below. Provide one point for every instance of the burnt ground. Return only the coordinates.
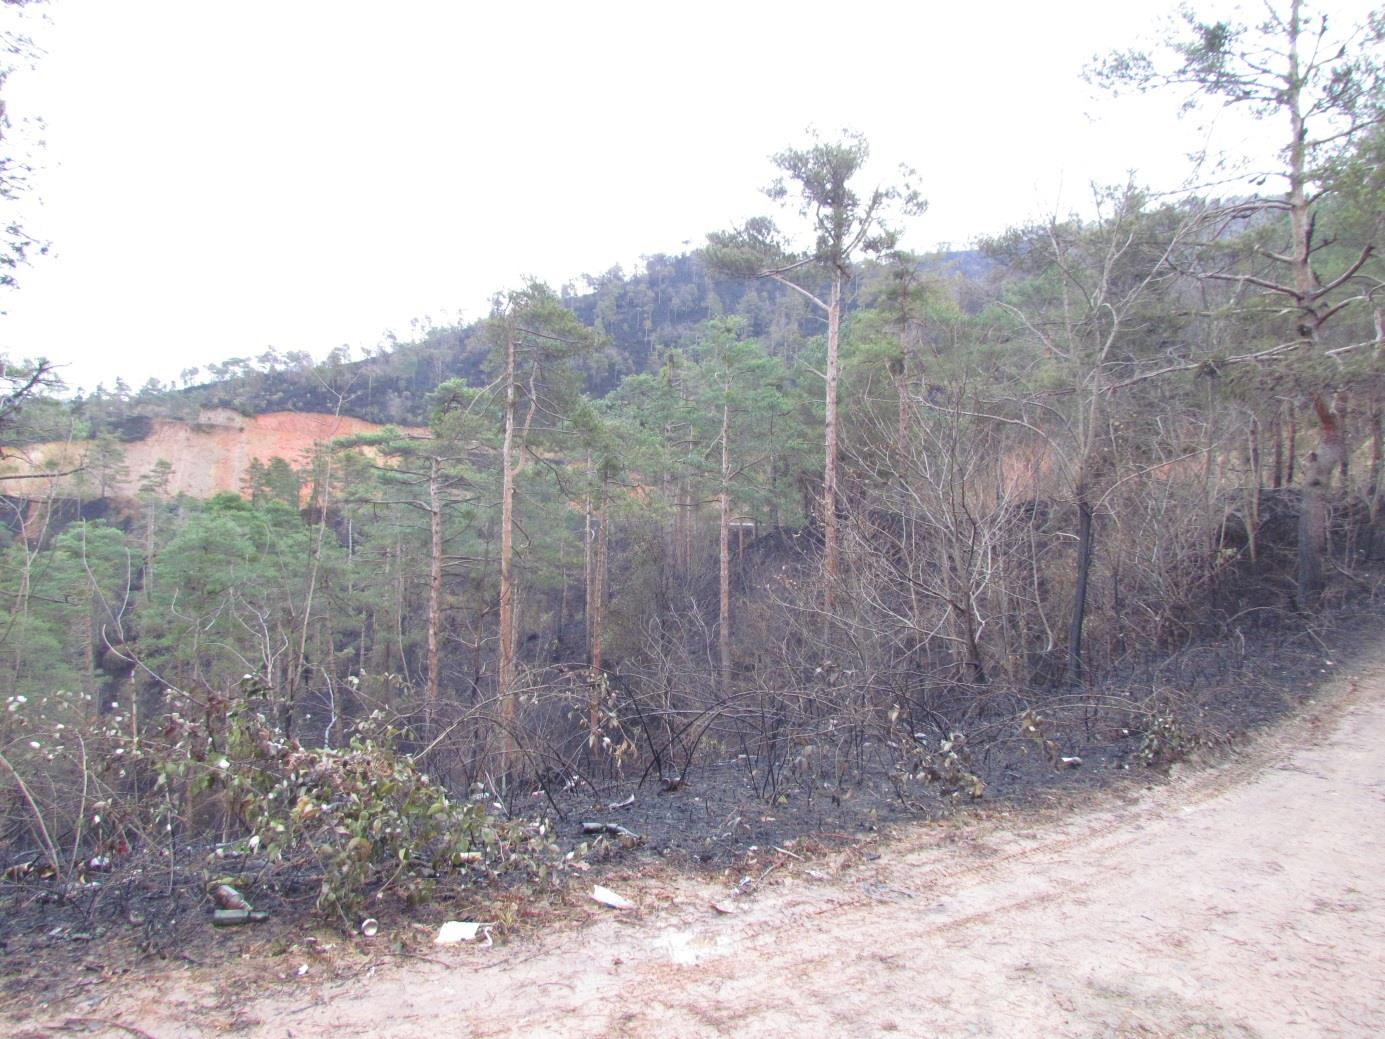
(1214, 693)
(721, 820)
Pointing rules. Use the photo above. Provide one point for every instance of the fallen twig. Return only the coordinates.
(614, 829)
(73, 1024)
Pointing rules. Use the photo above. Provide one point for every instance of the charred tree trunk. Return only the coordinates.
(1085, 546)
(1317, 484)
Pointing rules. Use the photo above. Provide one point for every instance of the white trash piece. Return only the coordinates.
(607, 897)
(455, 931)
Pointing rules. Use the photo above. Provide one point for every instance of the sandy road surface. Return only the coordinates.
(1243, 901)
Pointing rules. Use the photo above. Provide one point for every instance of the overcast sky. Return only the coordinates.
(219, 178)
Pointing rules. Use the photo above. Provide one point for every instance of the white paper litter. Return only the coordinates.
(607, 897)
(455, 931)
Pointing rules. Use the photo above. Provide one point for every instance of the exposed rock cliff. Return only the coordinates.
(210, 455)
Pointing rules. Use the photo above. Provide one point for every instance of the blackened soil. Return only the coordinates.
(1191, 705)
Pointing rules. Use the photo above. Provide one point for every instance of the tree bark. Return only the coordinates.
(1307, 294)
(588, 556)
(1277, 476)
(724, 550)
(505, 670)
(1085, 545)
(430, 696)
(1291, 462)
(598, 589)
(829, 470)
(1317, 483)
(1253, 456)
(1373, 488)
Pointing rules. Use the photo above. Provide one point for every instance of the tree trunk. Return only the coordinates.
(597, 607)
(295, 675)
(588, 556)
(1291, 449)
(430, 696)
(1317, 475)
(1277, 475)
(724, 553)
(1085, 544)
(1253, 456)
(902, 416)
(829, 470)
(505, 670)
(1312, 525)
(1373, 488)
(1344, 432)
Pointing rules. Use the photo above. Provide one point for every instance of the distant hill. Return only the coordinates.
(639, 316)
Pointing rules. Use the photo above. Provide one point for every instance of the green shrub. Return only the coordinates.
(365, 815)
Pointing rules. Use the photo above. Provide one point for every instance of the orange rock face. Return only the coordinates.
(210, 455)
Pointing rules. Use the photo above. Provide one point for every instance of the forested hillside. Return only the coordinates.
(637, 318)
(799, 501)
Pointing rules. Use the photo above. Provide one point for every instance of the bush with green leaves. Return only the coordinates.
(364, 817)
(1163, 741)
(360, 820)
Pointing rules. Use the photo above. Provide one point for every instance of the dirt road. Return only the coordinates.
(1248, 900)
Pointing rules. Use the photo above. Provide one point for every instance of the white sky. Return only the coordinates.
(223, 177)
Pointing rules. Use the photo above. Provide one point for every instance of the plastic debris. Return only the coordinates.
(237, 917)
(370, 927)
(455, 931)
(607, 897)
